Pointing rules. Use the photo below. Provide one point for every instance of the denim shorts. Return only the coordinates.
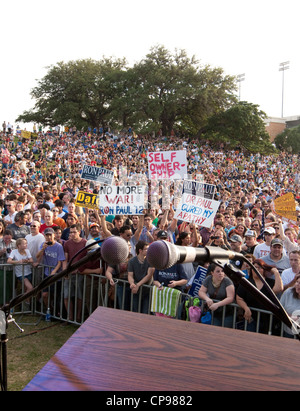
(29, 278)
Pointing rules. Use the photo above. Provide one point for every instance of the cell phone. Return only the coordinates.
(214, 237)
(8, 250)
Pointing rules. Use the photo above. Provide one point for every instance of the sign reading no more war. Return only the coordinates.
(167, 165)
(197, 210)
(98, 174)
(121, 200)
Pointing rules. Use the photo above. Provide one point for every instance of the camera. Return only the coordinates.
(214, 237)
(8, 250)
(49, 243)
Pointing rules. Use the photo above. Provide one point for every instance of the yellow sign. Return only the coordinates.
(87, 200)
(285, 206)
(25, 134)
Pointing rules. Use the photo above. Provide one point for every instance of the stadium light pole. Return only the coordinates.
(239, 79)
(282, 67)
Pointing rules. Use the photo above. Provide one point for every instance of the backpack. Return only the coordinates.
(190, 313)
(194, 314)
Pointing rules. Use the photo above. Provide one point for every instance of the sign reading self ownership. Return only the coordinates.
(99, 174)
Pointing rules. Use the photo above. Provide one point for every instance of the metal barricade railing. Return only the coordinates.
(73, 300)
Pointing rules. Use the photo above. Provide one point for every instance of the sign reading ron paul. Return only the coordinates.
(99, 174)
(87, 200)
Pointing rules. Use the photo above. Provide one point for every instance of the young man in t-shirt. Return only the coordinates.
(72, 247)
(139, 273)
(51, 255)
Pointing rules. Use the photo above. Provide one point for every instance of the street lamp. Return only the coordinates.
(282, 67)
(239, 79)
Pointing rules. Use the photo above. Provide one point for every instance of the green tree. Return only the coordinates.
(78, 93)
(173, 92)
(289, 140)
(242, 125)
(164, 91)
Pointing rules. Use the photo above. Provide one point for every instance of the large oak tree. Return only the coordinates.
(164, 91)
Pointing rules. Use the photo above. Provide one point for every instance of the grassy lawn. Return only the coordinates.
(28, 352)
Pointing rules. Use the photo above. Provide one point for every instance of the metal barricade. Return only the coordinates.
(74, 299)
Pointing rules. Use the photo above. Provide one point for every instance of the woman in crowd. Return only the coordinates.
(217, 286)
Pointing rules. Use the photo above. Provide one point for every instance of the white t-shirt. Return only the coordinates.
(261, 250)
(287, 276)
(34, 243)
(15, 255)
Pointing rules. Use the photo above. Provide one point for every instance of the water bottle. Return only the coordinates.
(48, 315)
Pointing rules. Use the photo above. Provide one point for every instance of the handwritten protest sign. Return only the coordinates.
(197, 281)
(197, 205)
(87, 200)
(167, 165)
(99, 174)
(123, 200)
(285, 207)
(197, 210)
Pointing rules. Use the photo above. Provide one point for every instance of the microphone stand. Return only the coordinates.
(6, 318)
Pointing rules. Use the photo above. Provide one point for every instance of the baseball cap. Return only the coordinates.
(250, 233)
(276, 241)
(48, 230)
(162, 234)
(94, 225)
(235, 238)
(269, 230)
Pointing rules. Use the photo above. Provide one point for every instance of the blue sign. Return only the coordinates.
(197, 281)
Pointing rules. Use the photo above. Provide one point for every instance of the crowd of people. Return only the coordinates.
(41, 224)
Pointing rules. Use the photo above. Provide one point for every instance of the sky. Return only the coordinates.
(240, 36)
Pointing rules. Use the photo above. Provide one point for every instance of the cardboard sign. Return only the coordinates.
(87, 200)
(98, 174)
(197, 210)
(198, 188)
(122, 200)
(164, 165)
(285, 206)
(198, 279)
(25, 134)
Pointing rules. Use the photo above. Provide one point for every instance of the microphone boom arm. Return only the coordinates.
(50, 280)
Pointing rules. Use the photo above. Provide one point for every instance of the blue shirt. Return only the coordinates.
(52, 255)
(174, 273)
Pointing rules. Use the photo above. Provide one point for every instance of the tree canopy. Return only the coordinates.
(241, 125)
(164, 91)
(289, 140)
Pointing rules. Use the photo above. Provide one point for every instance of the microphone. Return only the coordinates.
(162, 254)
(114, 250)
